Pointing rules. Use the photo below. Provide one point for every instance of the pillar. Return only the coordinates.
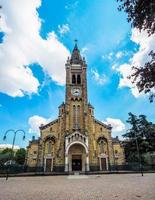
(87, 163)
(66, 163)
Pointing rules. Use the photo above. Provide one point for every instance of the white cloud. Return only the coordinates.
(22, 45)
(3, 146)
(112, 56)
(117, 124)
(119, 54)
(146, 44)
(115, 66)
(63, 29)
(71, 6)
(108, 56)
(35, 122)
(84, 50)
(100, 79)
(125, 71)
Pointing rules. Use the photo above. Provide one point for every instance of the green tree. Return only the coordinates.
(144, 77)
(142, 130)
(7, 151)
(5, 155)
(141, 15)
(20, 156)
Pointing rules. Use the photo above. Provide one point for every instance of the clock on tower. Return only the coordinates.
(76, 89)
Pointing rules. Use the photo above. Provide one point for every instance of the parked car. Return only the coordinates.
(10, 162)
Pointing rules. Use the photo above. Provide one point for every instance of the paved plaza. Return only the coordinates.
(103, 187)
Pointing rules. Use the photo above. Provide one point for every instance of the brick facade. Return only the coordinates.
(75, 141)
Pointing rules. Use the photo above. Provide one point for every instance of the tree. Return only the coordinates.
(142, 130)
(5, 155)
(20, 156)
(7, 151)
(144, 77)
(141, 15)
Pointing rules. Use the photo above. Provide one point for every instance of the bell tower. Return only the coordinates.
(76, 89)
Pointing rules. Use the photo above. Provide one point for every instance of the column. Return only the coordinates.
(66, 163)
(44, 164)
(87, 163)
(100, 164)
(107, 163)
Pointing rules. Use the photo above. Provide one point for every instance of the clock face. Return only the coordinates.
(76, 92)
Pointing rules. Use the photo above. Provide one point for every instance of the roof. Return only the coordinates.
(102, 124)
(35, 141)
(90, 105)
(115, 140)
(76, 57)
(49, 124)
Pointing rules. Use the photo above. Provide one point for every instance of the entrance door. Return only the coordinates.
(76, 163)
(103, 163)
(48, 164)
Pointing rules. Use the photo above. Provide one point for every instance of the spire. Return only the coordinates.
(76, 57)
(76, 47)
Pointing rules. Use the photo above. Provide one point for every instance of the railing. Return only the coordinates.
(16, 169)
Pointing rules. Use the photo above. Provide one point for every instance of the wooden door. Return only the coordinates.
(103, 164)
(76, 163)
(48, 164)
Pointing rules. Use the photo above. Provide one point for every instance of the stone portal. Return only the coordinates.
(76, 152)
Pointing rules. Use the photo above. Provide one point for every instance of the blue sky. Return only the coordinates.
(33, 50)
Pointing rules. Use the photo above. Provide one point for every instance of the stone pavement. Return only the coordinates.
(102, 187)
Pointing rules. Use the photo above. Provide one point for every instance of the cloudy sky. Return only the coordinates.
(36, 37)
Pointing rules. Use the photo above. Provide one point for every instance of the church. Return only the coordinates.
(76, 140)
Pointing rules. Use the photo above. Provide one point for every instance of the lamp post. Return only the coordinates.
(139, 156)
(13, 143)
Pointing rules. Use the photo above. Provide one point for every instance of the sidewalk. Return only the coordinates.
(72, 173)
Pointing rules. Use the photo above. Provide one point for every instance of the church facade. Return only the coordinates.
(76, 140)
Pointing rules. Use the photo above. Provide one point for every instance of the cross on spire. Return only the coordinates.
(75, 41)
(76, 57)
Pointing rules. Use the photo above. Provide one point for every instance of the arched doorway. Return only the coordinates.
(76, 152)
(103, 153)
(77, 158)
(48, 152)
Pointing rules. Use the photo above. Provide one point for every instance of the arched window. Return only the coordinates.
(116, 152)
(78, 116)
(74, 116)
(78, 79)
(101, 146)
(49, 147)
(73, 79)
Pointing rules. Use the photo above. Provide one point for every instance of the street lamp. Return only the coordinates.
(14, 138)
(13, 143)
(139, 157)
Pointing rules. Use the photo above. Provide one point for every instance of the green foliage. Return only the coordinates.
(8, 154)
(142, 130)
(141, 13)
(144, 77)
(5, 155)
(20, 156)
(7, 151)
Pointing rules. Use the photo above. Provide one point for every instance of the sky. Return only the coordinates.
(36, 37)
